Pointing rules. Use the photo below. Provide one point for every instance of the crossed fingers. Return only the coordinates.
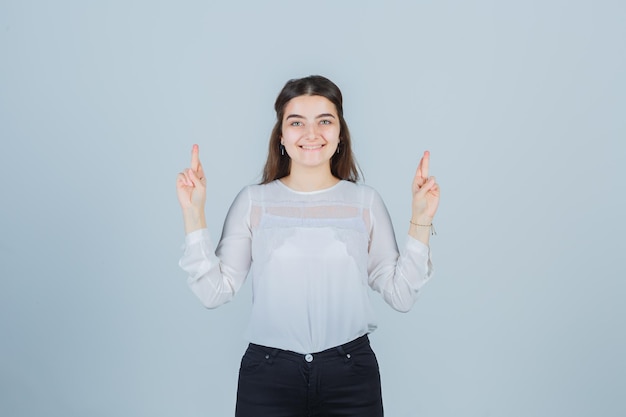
(421, 175)
(195, 173)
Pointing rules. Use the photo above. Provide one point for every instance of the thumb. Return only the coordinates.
(194, 178)
(424, 189)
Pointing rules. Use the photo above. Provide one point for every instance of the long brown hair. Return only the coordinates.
(342, 164)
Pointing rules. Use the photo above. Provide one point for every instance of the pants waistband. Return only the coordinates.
(341, 350)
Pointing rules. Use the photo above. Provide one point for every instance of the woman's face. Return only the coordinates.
(311, 130)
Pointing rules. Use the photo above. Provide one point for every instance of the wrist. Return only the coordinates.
(422, 227)
(421, 220)
(194, 219)
(193, 211)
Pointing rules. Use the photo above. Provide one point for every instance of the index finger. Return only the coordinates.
(423, 167)
(195, 158)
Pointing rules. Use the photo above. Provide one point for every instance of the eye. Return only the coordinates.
(295, 123)
(325, 122)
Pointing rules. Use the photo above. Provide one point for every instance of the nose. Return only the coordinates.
(311, 131)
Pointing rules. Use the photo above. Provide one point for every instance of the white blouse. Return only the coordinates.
(311, 257)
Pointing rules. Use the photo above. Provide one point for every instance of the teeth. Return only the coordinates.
(311, 147)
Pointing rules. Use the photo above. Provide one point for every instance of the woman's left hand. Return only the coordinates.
(425, 193)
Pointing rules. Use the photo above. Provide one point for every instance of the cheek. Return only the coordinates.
(289, 137)
(286, 131)
(332, 134)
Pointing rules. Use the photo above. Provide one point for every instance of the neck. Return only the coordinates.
(309, 179)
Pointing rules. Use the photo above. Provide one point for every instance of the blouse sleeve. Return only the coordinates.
(215, 277)
(398, 276)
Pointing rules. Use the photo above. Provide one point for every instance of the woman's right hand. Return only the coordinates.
(191, 191)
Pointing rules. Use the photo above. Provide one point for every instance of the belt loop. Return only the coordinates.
(342, 352)
(271, 355)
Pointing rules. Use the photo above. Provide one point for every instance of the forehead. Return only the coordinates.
(310, 106)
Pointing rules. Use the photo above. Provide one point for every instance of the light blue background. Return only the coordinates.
(522, 105)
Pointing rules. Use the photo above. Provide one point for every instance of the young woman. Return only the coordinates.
(313, 241)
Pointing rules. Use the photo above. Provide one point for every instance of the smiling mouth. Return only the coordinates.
(311, 147)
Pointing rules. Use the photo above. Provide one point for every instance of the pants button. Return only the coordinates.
(308, 357)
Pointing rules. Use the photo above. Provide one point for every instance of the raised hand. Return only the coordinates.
(191, 191)
(425, 194)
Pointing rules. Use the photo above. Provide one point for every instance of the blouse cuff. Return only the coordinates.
(197, 236)
(417, 246)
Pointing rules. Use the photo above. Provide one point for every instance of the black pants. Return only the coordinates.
(342, 381)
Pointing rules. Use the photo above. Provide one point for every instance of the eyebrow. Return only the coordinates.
(297, 116)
